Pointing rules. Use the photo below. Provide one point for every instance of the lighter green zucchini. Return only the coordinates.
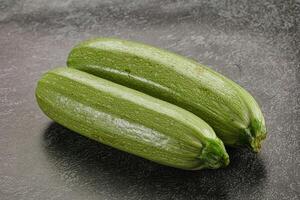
(228, 108)
(129, 120)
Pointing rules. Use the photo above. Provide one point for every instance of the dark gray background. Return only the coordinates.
(255, 43)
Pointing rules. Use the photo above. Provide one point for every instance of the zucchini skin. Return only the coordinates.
(129, 120)
(232, 112)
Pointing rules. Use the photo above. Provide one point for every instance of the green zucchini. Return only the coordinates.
(129, 120)
(228, 108)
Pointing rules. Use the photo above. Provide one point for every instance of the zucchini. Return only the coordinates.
(228, 108)
(129, 120)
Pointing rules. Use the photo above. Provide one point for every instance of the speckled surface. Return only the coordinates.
(255, 43)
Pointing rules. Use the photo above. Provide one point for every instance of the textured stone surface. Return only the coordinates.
(255, 43)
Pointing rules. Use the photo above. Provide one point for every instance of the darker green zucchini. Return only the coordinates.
(129, 120)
